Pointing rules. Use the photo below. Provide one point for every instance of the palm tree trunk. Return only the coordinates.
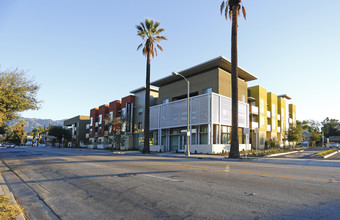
(146, 148)
(234, 149)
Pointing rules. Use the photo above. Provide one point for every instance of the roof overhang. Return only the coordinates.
(152, 89)
(284, 96)
(219, 62)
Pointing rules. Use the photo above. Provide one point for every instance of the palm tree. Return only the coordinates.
(150, 32)
(232, 8)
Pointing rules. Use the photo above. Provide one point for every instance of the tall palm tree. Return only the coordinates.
(232, 8)
(150, 32)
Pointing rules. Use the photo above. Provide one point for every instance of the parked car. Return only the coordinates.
(334, 145)
(10, 145)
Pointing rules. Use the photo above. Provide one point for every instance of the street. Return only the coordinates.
(55, 183)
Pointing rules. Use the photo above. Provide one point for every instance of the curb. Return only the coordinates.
(4, 190)
(331, 154)
(279, 154)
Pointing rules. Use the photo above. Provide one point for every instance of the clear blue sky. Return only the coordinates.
(83, 53)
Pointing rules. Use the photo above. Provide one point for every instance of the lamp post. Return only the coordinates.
(187, 153)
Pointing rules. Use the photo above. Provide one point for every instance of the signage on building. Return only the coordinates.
(129, 117)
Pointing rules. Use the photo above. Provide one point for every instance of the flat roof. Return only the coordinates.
(220, 62)
(284, 96)
(143, 88)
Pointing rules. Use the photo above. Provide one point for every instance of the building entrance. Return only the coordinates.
(177, 143)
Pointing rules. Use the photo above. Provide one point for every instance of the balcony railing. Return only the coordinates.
(268, 114)
(254, 125)
(254, 110)
(269, 128)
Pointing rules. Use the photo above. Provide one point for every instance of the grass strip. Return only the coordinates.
(8, 210)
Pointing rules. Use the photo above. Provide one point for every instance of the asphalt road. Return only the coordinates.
(83, 184)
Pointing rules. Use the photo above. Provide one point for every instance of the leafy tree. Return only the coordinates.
(15, 134)
(117, 126)
(294, 134)
(314, 137)
(331, 127)
(17, 93)
(232, 8)
(309, 125)
(59, 132)
(150, 32)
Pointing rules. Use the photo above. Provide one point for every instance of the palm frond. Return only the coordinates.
(140, 45)
(244, 12)
(160, 47)
(222, 7)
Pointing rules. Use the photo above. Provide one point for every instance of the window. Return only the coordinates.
(204, 134)
(165, 101)
(225, 135)
(100, 119)
(91, 121)
(207, 90)
(140, 111)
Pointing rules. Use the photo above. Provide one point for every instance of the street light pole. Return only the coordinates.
(187, 152)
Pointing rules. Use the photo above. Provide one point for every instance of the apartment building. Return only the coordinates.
(270, 116)
(210, 109)
(77, 125)
(99, 130)
(266, 114)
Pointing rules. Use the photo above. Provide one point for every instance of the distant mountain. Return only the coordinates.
(37, 122)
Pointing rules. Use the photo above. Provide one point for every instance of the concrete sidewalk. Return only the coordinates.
(5, 191)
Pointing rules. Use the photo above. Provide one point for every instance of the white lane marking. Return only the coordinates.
(92, 164)
(162, 178)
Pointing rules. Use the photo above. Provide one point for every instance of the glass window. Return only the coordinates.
(100, 119)
(225, 133)
(204, 134)
(91, 121)
(207, 90)
(140, 111)
(165, 101)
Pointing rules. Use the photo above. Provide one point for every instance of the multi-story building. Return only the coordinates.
(266, 114)
(100, 131)
(78, 129)
(269, 117)
(210, 108)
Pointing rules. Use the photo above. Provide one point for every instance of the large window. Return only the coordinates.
(100, 119)
(225, 133)
(204, 134)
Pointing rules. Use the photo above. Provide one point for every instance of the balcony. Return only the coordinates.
(269, 128)
(290, 120)
(254, 125)
(278, 117)
(269, 114)
(254, 110)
